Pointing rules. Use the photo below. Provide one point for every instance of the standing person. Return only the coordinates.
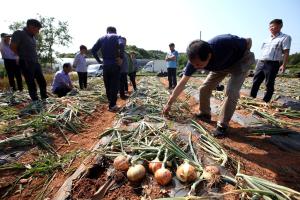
(222, 55)
(124, 72)
(11, 63)
(62, 83)
(81, 66)
(23, 43)
(132, 69)
(171, 59)
(274, 58)
(112, 49)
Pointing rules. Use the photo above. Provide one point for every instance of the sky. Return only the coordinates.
(153, 24)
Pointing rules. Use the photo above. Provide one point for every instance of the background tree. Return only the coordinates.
(53, 34)
(182, 60)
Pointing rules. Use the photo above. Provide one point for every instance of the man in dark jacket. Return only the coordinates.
(112, 49)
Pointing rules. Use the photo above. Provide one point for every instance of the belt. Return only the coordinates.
(269, 61)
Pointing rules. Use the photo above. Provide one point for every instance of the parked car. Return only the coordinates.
(95, 70)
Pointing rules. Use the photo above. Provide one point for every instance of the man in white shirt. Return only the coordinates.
(11, 63)
(81, 67)
(275, 54)
(62, 83)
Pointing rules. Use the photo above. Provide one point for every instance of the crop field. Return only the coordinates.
(73, 148)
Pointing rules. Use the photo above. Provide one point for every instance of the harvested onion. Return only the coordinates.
(210, 172)
(186, 172)
(121, 163)
(154, 165)
(136, 173)
(163, 176)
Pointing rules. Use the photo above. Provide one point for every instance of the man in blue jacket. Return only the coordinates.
(112, 49)
(222, 55)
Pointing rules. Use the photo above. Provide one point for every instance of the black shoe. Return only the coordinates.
(220, 131)
(220, 87)
(204, 117)
(114, 109)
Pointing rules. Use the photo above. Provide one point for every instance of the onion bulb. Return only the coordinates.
(136, 173)
(211, 172)
(154, 165)
(186, 172)
(121, 163)
(163, 176)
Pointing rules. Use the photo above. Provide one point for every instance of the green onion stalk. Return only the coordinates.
(210, 145)
(265, 189)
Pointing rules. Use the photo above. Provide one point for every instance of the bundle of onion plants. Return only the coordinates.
(274, 120)
(260, 188)
(191, 170)
(46, 166)
(69, 120)
(8, 113)
(288, 112)
(271, 131)
(27, 139)
(210, 145)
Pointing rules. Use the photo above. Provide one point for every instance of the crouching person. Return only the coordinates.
(62, 83)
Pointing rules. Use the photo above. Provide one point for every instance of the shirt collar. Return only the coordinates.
(276, 35)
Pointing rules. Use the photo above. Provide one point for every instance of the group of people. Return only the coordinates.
(19, 52)
(230, 55)
(117, 65)
(222, 55)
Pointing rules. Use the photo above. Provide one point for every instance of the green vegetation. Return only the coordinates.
(144, 54)
(294, 59)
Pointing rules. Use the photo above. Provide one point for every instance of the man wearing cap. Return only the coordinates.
(11, 63)
(23, 43)
(274, 58)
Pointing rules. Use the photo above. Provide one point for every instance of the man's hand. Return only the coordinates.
(166, 109)
(282, 69)
(119, 61)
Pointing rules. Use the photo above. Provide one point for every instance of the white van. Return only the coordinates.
(156, 66)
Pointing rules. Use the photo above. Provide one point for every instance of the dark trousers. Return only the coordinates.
(265, 70)
(13, 71)
(33, 71)
(82, 78)
(132, 76)
(123, 84)
(172, 77)
(61, 91)
(111, 78)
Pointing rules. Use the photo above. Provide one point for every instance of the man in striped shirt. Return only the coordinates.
(275, 53)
